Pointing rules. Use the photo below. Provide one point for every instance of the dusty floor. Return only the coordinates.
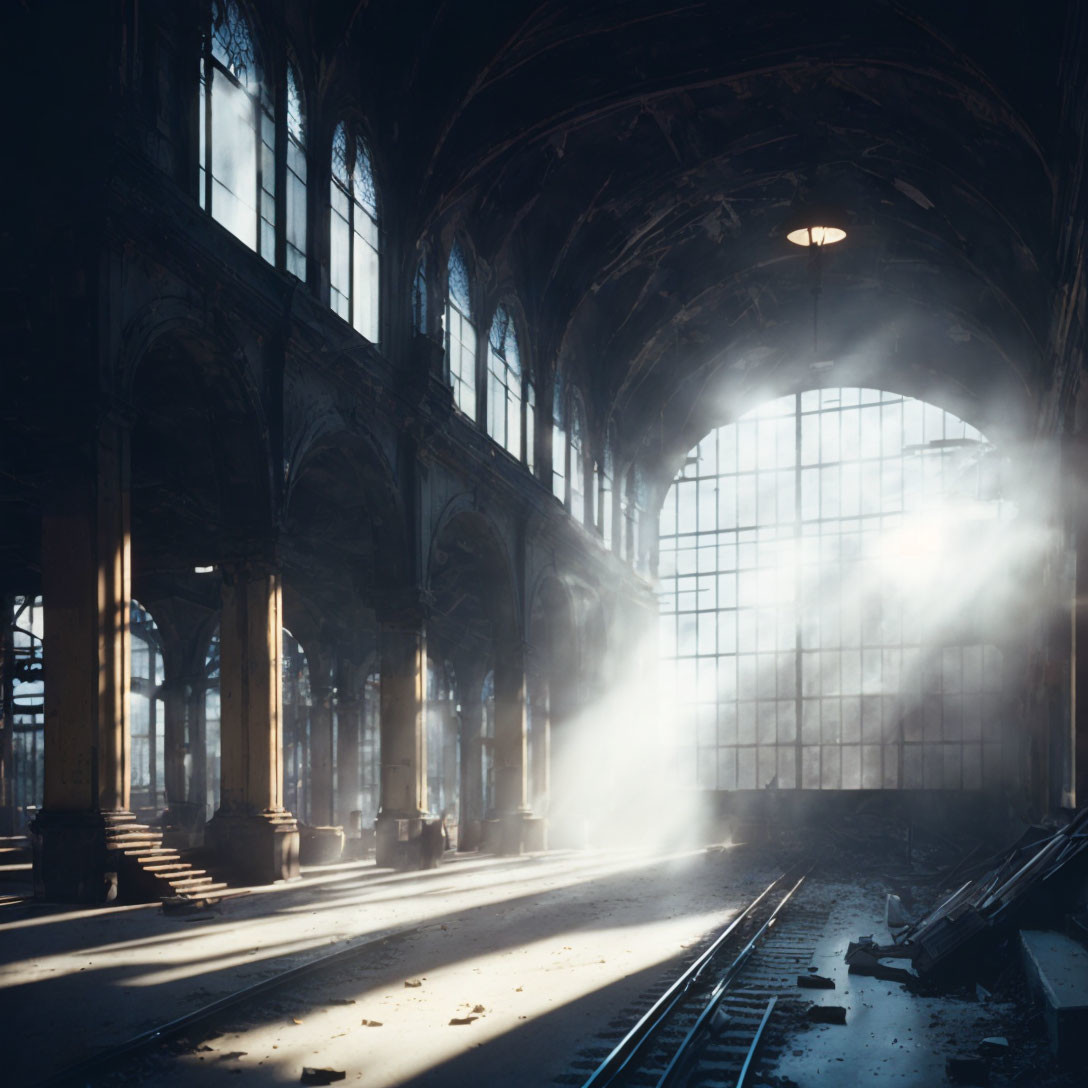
(549, 946)
(540, 955)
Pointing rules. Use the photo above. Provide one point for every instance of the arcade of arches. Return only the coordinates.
(379, 458)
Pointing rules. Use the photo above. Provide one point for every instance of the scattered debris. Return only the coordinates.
(995, 1044)
(372, 1023)
(1018, 888)
(457, 1021)
(340, 1001)
(982, 995)
(815, 982)
(967, 1069)
(894, 915)
(826, 1014)
(310, 1075)
(863, 958)
(295, 1020)
(412, 982)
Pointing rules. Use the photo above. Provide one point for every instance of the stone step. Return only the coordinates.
(1057, 970)
(196, 883)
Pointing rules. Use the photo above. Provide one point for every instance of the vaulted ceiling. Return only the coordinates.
(626, 166)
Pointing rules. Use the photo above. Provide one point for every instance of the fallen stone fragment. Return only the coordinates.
(995, 1044)
(982, 995)
(413, 982)
(815, 982)
(827, 1014)
(310, 1075)
(341, 1001)
(478, 1008)
(967, 1069)
(372, 1023)
(458, 1021)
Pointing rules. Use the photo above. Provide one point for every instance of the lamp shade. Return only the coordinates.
(815, 225)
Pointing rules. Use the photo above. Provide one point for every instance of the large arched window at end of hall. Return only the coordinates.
(296, 178)
(816, 561)
(504, 383)
(460, 334)
(237, 133)
(354, 264)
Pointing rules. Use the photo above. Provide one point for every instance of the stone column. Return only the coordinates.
(251, 831)
(402, 648)
(511, 749)
(540, 745)
(86, 591)
(1077, 483)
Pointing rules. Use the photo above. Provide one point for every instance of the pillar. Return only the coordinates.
(1076, 479)
(400, 827)
(511, 751)
(86, 591)
(254, 836)
(539, 745)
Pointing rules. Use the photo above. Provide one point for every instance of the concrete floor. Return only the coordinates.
(550, 946)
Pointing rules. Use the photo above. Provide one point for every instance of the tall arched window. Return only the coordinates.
(296, 178)
(530, 423)
(237, 133)
(817, 560)
(353, 242)
(147, 714)
(504, 383)
(461, 334)
(419, 297)
(559, 438)
(607, 512)
(581, 504)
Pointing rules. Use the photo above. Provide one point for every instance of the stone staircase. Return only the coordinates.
(147, 870)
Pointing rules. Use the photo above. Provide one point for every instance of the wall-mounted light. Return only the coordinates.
(203, 570)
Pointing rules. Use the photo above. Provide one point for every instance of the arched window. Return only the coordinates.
(443, 742)
(237, 133)
(353, 241)
(296, 178)
(370, 748)
(581, 504)
(419, 298)
(608, 486)
(461, 334)
(147, 714)
(297, 703)
(559, 438)
(816, 565)
(504, 384)
(27, 627)
(530, 423)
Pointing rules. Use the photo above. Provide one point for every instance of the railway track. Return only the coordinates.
(708, 1027)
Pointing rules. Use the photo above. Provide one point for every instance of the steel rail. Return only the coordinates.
(77, 1073)
(648, 1024)
(684, 1050)
(754, 1048)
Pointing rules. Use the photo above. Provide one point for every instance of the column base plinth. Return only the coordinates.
(515, 833)
(70, 861)
(254, 848)
(408, 842)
